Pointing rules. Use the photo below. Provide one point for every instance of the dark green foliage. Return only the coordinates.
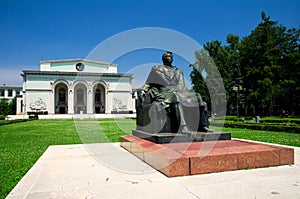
(208, 81)
(199, 84)
(7, 107)
(266, 64)
(272, 76)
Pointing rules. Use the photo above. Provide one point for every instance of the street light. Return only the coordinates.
(237, 89)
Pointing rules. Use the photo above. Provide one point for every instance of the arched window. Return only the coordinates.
(62, 95)
(80, 95)
(97, 96)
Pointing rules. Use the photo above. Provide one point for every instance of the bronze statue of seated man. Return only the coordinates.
(166, 87)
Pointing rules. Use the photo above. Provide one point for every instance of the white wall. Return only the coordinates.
(118, 91)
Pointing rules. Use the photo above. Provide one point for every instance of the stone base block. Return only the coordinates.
(162, 138)
(190, 158)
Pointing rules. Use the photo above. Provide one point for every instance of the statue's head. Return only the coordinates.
(167, 58)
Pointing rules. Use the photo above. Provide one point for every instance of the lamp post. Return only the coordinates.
(237, 88)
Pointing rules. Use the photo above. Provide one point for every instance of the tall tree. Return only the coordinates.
(264, 59)
(265, 65)
(8, 107)
(199, 85)
(211, 84)
(235, 78)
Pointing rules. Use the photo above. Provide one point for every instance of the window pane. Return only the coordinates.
(80, 95)
(62, 95)
(10, 92)
(98, 95)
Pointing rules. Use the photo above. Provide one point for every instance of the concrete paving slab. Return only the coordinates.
(108, 171)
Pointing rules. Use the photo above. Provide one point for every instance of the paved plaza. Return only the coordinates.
(108, 171)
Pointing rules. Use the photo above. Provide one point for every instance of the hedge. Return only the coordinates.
(5, 122)
(258, 126)
(281, 121)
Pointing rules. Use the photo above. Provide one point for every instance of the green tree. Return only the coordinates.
(232, 72)
(210, 85)
(265, 64)
(226, 59)
(266, 56)
(13, 106)
(4, 107)
(7, 107)
(199, 85)
(290, 61)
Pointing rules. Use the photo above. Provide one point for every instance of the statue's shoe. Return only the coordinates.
(205, 129)
(185, 130)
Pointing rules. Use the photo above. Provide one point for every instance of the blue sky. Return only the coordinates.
(35, 30)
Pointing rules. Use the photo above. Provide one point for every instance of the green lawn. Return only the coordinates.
(290, 139)
(21, 144)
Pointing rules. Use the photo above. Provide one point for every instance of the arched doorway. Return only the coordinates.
(99, 99)
(80, 99)
(61, 99)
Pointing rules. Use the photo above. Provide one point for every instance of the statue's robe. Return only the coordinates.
(166, 84)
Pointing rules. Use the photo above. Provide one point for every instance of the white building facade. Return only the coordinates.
(77, 86)
(10, 92)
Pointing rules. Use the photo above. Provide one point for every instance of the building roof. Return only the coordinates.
(78, 60)
(35, 72)
(10, 87)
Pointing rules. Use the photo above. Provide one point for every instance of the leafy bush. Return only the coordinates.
(37, 113)
(33, 117)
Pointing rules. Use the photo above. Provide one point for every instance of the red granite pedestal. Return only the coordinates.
(190, 158)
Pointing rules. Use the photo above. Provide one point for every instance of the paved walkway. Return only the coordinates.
(108, 171)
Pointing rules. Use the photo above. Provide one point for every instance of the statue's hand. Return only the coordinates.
(143, 93)
(142, 96)
(162, 106)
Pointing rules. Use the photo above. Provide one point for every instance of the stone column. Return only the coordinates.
(108, 103)
(70, 100)
(51, 102)
(19, 105)
(89, 103)
(6, 93)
